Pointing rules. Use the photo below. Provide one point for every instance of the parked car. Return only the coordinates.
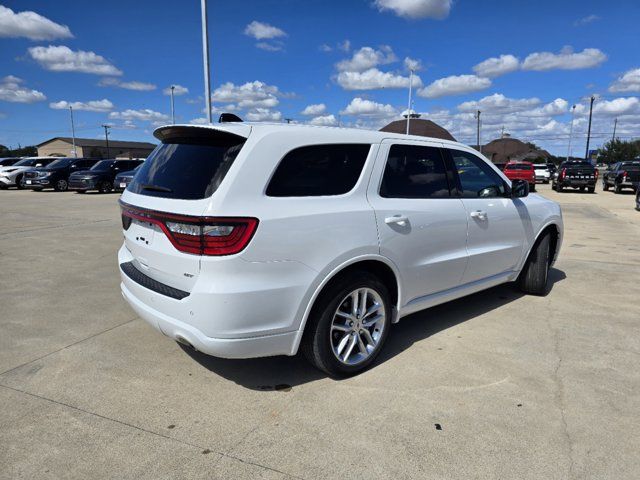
(521, 171)
(11, 175)
(622, 175)
(123, 179)
(56, 174)
(542, 172)
(101, 176)
(575, 174)
(249, 240)
(8, 161)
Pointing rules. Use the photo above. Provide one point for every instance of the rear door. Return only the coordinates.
(421, 228)
(496, 234)
(175, 183)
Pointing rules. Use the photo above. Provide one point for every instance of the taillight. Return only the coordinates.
(563, 173)
(212, 236)
(596, 173)
(624, 173)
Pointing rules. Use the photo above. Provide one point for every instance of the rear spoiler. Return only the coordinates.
(233, 133)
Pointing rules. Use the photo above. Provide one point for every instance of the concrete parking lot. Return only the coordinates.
(497, 385)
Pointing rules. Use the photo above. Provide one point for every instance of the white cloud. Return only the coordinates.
(270, 47)
(315, 109)
(249, 95)
(264, 115)
(586, 20)
(344, 46)
(361, 106)
(132, 85)
(565, 60)
(374, 79)
(617, 106)
(62, 59)
(324, 121)
(499, 103)
(263, 31)
(30, 25)
(325, 48)
(416, 8)
(12, 90)
(629, 82)
(367, 58)
(199, 121)
(412, 64)
(144, 114)
(496, 66)
(177, 90)
(103, 105)
(455, 85)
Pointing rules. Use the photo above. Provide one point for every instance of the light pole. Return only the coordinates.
(410, 92)
(615, 125)
(73, 133)
(106, 137)
(173, 114)
(573, 111)
(586, 153)
(205, 58)
(478, 131)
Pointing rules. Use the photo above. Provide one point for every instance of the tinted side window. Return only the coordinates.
(477, 179)
(317, 170)
(413, 171)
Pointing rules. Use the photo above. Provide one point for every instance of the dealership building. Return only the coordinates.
(93, 148)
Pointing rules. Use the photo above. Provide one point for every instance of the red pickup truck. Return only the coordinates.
(521, 171)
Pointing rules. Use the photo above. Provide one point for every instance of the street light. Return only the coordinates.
(173, 115)
(205, 58)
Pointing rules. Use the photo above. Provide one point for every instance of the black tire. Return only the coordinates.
(558, 188)
(105, 187)
(532, 187)
(61, 186)
(605, 186)
(617, 188)
(19, 184)
(534, 275)
(316, 343)
(591, 189)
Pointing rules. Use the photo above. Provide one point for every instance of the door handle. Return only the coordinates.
(479, 214)
(399, 219)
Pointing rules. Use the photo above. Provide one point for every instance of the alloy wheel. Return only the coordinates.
(357, 326)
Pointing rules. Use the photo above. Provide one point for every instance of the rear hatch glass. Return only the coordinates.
(188, 168)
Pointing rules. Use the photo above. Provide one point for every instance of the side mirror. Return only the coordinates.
(519, 188)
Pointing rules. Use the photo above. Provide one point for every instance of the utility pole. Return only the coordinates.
(73, 133)
(173, 113)
(586, 154)
(106, 137)
(478, 131)
(502, 132)
(573, 111)
(409, 105)
(205, 58)
(615, 125)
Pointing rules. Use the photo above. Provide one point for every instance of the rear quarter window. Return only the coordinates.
(318, 170)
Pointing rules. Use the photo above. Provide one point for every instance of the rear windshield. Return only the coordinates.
(577, 164)
(631, 167)
(31, 162)
(518, 166)
(187, 168)
(541, 167)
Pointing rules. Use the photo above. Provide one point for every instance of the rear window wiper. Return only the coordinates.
(156, 188)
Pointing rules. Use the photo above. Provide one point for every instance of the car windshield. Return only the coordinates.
(518, 166)
(102, 165)
(61, 162)
(576, 164)
(541, 167)
(26, 162)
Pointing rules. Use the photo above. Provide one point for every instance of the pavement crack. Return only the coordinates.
(70, 345)
(561, 398)
(200, 448)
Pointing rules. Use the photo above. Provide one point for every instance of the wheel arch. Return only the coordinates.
(380, 266)
(556, 241)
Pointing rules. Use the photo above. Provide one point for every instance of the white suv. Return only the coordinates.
(248, 240)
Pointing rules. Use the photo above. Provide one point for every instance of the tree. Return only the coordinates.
(618, 151)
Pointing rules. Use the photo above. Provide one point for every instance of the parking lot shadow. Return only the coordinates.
(283, 373)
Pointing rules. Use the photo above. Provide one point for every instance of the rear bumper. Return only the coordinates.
(235, 309)
(575, 183)
(248, 347)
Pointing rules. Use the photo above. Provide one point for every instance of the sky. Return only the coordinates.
(524, 65)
